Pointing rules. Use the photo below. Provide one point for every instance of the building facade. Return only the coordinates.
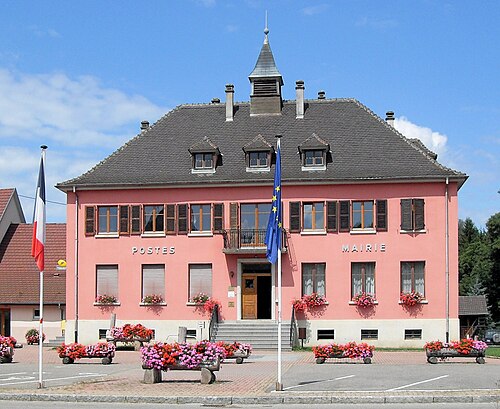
(182, 209)
(19, 275)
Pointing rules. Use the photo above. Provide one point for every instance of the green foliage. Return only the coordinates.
(479, 261)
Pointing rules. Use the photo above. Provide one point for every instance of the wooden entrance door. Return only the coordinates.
(5, 322)
(249, 297)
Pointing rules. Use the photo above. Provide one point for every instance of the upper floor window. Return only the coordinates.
(314, 157)
(203, 161)
(412, 214)
(107, 219)
(258, 159)
(154, 218)
(201, 218)
(362, 214)
(413, 277)
(313, 216)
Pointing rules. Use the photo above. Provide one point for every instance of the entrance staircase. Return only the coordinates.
(261, 334)
(58, 340)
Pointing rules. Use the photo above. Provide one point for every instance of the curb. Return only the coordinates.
(469, 396)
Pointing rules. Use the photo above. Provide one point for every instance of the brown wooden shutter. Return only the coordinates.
(135, 219)
(381, 215)
(170, 219)
(345, 219)
(182, 222)
(295, 217)
(124, 220)
(218, 216)
(331, 216)
(234, 219)
(90, 220)
(406, 212)
(418, 209)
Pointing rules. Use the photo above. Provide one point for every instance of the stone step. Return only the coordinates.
(260, 334)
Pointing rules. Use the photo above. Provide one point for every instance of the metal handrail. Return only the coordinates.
(214, 323)
(293, 329)
(248, 238)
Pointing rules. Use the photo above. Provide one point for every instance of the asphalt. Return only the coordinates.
(389, 379)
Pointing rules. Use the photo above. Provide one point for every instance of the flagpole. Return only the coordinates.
(279, 383)
(41, 185)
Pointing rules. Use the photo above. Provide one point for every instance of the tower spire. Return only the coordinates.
(266, 32)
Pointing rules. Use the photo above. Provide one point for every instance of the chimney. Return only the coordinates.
(389, 117)
(299, 92)
(229, 102)
(144, 125)
(321, 94)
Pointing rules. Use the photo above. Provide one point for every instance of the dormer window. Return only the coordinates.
(258, 154)
(203, 161)
(258, 159)
(314, 152)
(205, 156)
(314, 157)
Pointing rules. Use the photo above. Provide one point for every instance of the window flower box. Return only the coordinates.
(364, 300)
(309, 302)
(411, 299)
(7, 345)
(70, 353)
(203, 356)
(153, 299)
(465, 348)
(205, 303)
(106, 299)
(350, 350)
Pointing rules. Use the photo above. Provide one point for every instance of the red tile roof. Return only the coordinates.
(19, 275)
(5, 195)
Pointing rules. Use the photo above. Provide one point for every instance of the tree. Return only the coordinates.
(493, 237)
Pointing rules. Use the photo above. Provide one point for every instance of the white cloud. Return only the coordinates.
(81, 121)
(433, 140)
(314, 10)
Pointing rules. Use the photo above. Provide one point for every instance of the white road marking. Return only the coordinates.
(316, 382)
(14, 373)
(416, 383)
(53, 379)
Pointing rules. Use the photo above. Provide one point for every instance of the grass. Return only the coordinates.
(493, 351)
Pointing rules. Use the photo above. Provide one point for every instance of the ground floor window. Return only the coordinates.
(200, 279)
(412, 276)
(362, 278)
(313, 278)
(153, 281)
(107, 282)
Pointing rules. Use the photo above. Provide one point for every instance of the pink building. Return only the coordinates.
(182, 208)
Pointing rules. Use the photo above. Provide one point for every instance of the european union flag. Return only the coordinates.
(274, 224)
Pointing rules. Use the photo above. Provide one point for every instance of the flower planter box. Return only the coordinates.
(322, 359)
(7, 355)
(70, 353)
(240, 356)
(350, 350)
(138, 342)
(433, 356)
(154, 375)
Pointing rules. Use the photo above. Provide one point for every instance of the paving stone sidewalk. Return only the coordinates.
(250, 382)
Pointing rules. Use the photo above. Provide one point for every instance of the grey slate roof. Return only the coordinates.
(363, 148)
(265, 67)
(472, 305)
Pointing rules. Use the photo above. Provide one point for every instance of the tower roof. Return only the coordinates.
(265, 66)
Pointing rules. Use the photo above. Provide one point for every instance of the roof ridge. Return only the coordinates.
(425, 152)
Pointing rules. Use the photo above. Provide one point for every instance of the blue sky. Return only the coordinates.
(79, 76)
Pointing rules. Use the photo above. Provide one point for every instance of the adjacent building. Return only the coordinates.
(19, 275)
(182, 208)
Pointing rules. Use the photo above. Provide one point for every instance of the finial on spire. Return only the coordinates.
(266, 31)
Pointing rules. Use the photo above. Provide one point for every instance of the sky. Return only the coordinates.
(80, 76)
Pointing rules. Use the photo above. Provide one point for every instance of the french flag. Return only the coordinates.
(38, 243)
